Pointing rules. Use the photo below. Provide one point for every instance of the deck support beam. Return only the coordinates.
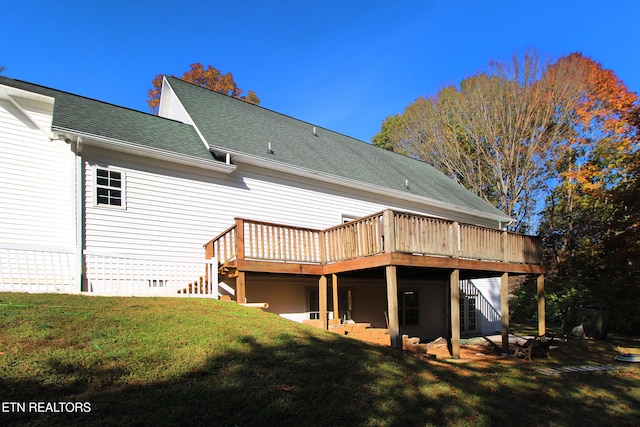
(322, 301)
(454, 292)
(241, 293)
(392, 306)
(542, 327)
(336, 311)
(504, 310)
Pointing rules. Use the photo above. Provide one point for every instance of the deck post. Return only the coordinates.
(241, 295)
(389, 232)
(542, 327)
(454, 292)
(455, 239)
(504, 308)
(322, 243)
(239, 238)
(392, 306)
(336, 311)
(504, 254)
(322, 301)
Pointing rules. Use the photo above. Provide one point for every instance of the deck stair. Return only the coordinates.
(200, 286)
(226, 271)
(363, 332)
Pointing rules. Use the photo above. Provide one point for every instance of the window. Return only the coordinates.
(409, 308)
(313, 304)
(109, 187)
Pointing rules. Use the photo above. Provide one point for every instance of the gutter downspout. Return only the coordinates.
(79, 210)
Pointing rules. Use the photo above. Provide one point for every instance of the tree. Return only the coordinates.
(210, 78)
(571, 128)
(495, 132)
(384, 138)
(590, 225)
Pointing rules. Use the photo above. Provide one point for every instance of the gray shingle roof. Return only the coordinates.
(98, 118)
(228, 123)
(231, 124)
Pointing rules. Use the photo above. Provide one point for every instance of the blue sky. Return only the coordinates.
(342, 65)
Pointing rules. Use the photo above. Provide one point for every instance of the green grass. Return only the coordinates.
(145, 361)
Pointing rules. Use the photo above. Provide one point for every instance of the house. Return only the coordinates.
(216, 197)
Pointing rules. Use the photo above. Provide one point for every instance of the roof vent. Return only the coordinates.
(314, 131)
(406, 184)
(269, 150)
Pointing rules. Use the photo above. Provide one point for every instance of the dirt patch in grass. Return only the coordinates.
(469, 353)
(482, 354)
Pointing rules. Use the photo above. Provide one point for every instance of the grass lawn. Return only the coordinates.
(148, 361)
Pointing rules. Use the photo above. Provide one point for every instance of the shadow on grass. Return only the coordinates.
(304, 380)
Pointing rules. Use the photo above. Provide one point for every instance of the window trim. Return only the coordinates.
(123, 192)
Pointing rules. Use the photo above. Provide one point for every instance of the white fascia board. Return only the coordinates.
(253, 160)
(12, 94)
(6, 91)
(141, 150)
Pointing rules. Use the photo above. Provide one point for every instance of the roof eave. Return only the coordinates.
(155, 153)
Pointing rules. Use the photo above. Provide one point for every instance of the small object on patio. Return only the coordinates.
(628, 357)
(439, 342)
(573, 369)
(413, 344)
(540, 342)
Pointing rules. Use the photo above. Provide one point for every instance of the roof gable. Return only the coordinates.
(227, 123)
(84, 115)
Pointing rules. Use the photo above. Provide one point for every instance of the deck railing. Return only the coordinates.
(248, 239)
(403, 232)
(424, 235)
(267, 241)
(223, 247)
(481, 243)
(355, 239)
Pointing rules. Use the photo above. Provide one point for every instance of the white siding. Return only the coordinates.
(294, 200)
(36, 180)
(488, 304)
(174, 211)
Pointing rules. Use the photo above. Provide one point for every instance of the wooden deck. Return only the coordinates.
(385, 238)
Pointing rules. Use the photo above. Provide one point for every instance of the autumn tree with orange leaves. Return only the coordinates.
(590, 224)
(210, 78)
